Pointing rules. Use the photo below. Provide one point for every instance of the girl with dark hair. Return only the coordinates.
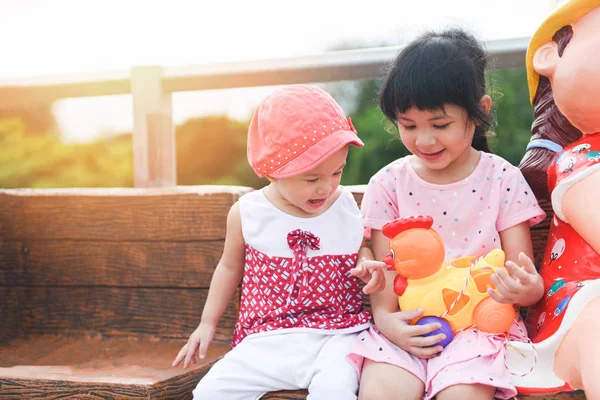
(435, 93)
(562, 164)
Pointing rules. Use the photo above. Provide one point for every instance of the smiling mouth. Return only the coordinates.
(317, 202)
(433, 156)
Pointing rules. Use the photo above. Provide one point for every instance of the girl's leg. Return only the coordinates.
(467, 392)
(577, 360)
(381, 381)
(256, 366)
(332, 376)
(471, 367)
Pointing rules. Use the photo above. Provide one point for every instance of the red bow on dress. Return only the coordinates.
(300, 241)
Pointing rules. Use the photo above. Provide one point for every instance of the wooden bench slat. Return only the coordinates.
(47, 389)
(9, 313)
(539, 234)
(178, 214)
(286, 395)
(57, 367)
(178, 387)
(165, 313)
(115, 264)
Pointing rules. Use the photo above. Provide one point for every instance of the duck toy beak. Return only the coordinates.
(390, 262)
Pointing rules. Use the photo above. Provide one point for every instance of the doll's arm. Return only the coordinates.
(580, 207)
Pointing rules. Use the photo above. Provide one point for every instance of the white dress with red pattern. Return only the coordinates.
(296, 276)
(570, 269)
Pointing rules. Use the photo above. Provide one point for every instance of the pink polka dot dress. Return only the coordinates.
(468, 215)
(297, 271)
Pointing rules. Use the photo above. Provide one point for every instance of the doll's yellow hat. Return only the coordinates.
(566, 13)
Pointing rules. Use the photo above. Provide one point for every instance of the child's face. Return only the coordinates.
(310, 193)
(436, 137)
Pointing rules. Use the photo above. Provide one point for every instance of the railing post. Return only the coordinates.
(154, 158)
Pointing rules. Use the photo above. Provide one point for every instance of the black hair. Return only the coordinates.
(437, 69)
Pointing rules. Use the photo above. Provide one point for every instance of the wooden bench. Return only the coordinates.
(101, 287)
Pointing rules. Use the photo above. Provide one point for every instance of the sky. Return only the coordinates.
(62, 37)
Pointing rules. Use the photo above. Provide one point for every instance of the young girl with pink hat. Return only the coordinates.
(294, 246)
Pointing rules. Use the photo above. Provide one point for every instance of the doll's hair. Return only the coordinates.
(437, 69)
(550, 124)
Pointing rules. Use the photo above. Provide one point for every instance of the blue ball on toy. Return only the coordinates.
(446, 329)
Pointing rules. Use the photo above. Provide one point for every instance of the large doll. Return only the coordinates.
(562, 164)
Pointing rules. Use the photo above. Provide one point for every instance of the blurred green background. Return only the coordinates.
(212, 149)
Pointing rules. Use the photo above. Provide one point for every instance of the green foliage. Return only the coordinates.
(380, 137)
(514, 114)
(43, 161)
(212, 150)
(382, 146)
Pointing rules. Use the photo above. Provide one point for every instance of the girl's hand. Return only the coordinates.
(396, 327)
(372, 273)
(522, 286)
(199, 340)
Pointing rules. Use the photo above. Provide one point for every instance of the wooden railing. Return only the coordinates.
(152, 86)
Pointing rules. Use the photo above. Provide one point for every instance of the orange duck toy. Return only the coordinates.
(455, 291)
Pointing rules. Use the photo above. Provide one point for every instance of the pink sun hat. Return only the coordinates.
(295, 129)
